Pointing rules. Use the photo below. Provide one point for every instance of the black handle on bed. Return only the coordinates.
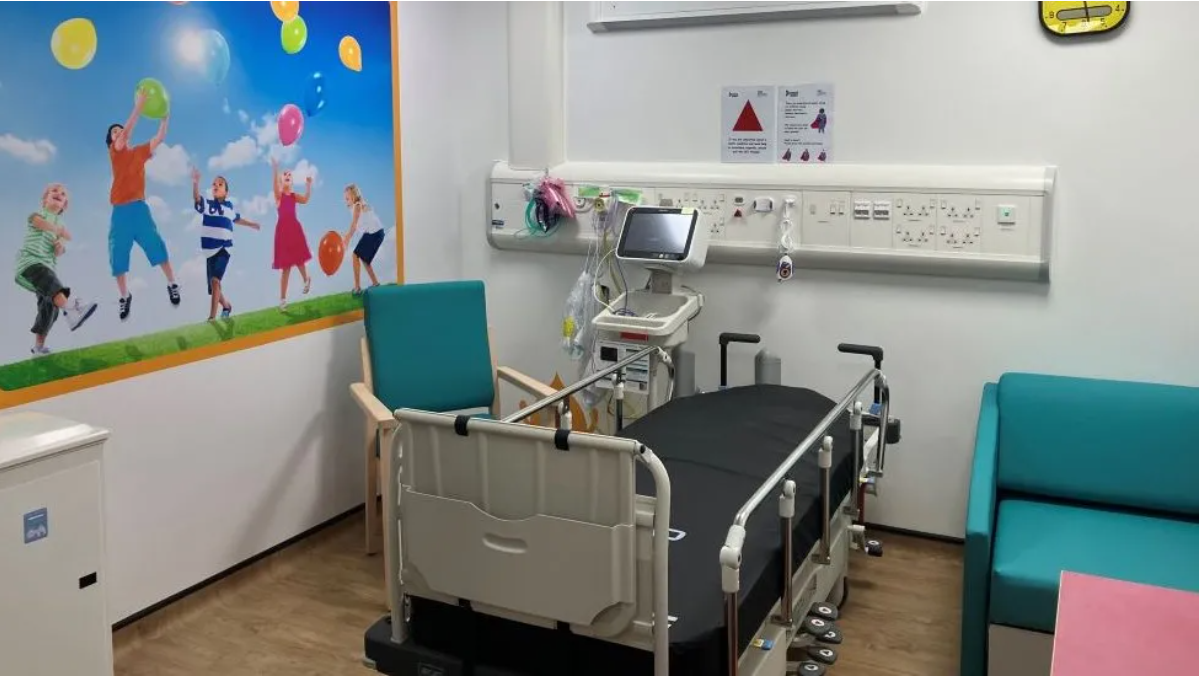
(872, 351)
(727, 338)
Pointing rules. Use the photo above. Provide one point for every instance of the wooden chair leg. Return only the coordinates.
(371, 491)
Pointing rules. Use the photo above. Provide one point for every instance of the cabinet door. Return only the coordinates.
(51, 600)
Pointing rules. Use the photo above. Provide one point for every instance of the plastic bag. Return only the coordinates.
(576, 326)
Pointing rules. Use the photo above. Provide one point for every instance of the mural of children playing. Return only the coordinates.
(131, 221)
(291, 245)
(36, 265)
(218, 216)
(372, 235)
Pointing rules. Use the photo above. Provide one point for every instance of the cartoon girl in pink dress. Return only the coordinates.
(291, 246)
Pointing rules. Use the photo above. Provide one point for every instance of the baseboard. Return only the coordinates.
(915, 533)
(174, 598)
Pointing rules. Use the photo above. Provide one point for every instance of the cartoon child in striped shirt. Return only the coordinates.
(45, 235)
(216, 237)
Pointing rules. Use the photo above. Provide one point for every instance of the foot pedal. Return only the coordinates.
(874, 548)
(825, 611)
(817, 627)
(832, 636)
(823, 655)
(810, 668)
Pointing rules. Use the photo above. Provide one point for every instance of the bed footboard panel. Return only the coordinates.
(516, 518)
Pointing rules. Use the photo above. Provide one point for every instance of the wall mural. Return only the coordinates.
(186, 179)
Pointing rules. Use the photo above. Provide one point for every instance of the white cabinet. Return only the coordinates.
(52, 580)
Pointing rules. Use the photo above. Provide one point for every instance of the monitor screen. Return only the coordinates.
(657, 233)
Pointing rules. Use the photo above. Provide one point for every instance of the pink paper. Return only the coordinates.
(1103, 624)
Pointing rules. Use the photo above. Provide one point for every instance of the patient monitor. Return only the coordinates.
(667, 241)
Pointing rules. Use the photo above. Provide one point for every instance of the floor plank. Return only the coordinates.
(304, 610)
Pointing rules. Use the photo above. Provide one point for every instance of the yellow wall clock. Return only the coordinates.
(1077, 18)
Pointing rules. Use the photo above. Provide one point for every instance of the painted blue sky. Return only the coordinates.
(53, 121)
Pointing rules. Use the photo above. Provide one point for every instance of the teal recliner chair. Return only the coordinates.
(1091, 476)
(426, 346)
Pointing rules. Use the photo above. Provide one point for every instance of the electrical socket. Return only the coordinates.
(914, 218)
(959, 223)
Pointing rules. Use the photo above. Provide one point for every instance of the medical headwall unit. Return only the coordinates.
(53, 618)
(963, 221)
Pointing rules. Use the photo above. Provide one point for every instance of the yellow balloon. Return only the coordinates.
(350, 53)
(285, 10)
(74, 43)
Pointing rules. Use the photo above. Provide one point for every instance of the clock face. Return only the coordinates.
(1075, 17)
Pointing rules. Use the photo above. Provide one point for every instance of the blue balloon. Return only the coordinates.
(314, 95)
(216, 56)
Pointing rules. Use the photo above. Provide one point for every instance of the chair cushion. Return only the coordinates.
(1036, 541)
(429, 345)
(1112, 442)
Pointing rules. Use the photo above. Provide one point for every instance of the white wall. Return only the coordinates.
(970, 84)
(216, 461)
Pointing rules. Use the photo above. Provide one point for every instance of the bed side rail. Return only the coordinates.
(526, 520)
(731, 552)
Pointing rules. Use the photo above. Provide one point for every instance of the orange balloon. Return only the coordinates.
(331, 252)
(285, 10)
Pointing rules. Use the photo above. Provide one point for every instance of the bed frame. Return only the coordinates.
(544, 526)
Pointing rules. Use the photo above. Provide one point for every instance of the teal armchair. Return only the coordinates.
(1092, 476)
(426, 347)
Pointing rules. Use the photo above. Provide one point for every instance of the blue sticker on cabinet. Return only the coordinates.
(37, 525)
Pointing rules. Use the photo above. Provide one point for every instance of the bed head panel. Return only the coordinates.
(501, 517)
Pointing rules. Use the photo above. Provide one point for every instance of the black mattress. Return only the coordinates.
(718, 448)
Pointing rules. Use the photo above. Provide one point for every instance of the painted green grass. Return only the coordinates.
(107, 355)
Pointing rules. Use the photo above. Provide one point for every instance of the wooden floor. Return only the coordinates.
(303, 611)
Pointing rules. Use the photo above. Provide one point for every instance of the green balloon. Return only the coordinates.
(158, 102)
(293, 34)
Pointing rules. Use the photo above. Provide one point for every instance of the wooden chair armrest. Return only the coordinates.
(376, 412)
(531, 385)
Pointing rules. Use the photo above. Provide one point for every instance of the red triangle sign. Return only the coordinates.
(747, 121)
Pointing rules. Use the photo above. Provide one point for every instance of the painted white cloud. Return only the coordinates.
(169, 166)
(302, 171)
(257, 206)
(240, 153)
(225, 106)
(243, 116)
(136, 283)
(266, 134)
(193, 224)
(192, 270)
(39, 151)
(158, 209)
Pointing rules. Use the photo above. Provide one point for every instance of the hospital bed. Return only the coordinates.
(521, 549)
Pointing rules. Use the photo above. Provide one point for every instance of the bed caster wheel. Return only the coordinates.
(831, 637)
(874, 548)
(825, 611)
(816, 626)
(810, 668)
(826, 656)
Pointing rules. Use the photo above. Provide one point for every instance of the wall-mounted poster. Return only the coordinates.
(186, 179)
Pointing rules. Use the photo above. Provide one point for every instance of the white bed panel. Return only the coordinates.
(504, 519)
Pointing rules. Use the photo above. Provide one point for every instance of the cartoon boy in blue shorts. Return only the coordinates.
(218, 216)
(131, 220)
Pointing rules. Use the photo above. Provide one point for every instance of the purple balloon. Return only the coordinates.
(291, 124)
